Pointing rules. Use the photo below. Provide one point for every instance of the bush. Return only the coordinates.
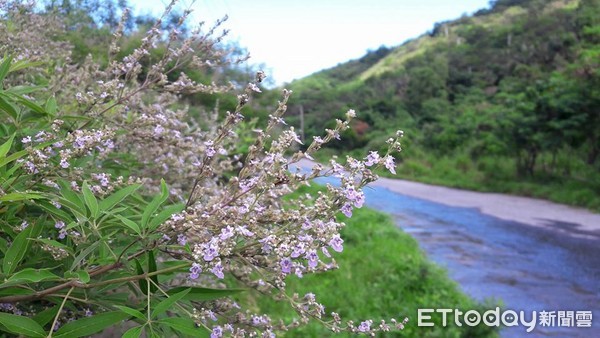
(116, 206)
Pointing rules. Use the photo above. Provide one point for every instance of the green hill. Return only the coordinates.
(506, 100)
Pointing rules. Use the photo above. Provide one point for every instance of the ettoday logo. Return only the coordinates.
(495, 317)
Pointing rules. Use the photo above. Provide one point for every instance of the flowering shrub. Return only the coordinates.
(116, 206)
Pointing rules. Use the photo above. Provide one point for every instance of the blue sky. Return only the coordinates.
(296, 38)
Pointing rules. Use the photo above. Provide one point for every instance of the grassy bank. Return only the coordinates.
(383, 273)
(497, 175)
(493, 174)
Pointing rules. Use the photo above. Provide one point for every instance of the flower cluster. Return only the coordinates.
(229, 217)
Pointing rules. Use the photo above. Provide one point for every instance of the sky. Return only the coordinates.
(295, 38)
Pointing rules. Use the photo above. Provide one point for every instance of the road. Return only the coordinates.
(530, 254)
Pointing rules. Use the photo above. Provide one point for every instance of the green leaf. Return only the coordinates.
(164, 215)
(15, 291)
(21, 325)
(19, 247)
(33, 275)
(20, 90)
(130, 224)
(156, 202)
(5, 68)
(90, 200)
(50, 106)
(8, 107)
(83, 275)
(63, 215)
(204, 294)
(83, 255)
(5, 147)
(73, 201)
(143, 283)
(117, 197)
(3, 245)
(90, 325)
(19, 196)
(44, 317)
(22, 64)
(132, 312)
(30, 104)
(12, 157)
(134, 332)
(152, 268)
(167, 303)
(185, 326)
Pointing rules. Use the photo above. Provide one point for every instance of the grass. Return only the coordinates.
(383, 273)
(498, 175)
(490, 174)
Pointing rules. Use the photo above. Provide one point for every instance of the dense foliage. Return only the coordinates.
(507, 99)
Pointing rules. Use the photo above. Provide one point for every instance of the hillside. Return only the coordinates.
(506, 100)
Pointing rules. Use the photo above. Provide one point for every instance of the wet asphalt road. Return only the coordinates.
(524, 267)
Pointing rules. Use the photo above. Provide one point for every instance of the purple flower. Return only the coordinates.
(372, 158)
(313, 258)
(177, 217)
(336, 168)
(336, 243)
(59, 224)
(79, 142)
(256, 320)
(350, 192)
(226, 233)
(266, 244)
(217, 332)
(305, 238)
(306, 224)
(30, 167)
(286, 265)
(62, 234)
(210, 150)
(64, 163)
(357, 197)
(195, 271)
(23, 225)
(347, 209)
(181, 239)
(210, 252)
(364, 326)
(298, 250)
(389, 164)
(6, 306)
(103, 180)
(211, 315)
(217, 270)
(244, 231)
(158, 130)
(360, 200)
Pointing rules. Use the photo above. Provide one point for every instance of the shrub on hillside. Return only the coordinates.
(116, 205)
